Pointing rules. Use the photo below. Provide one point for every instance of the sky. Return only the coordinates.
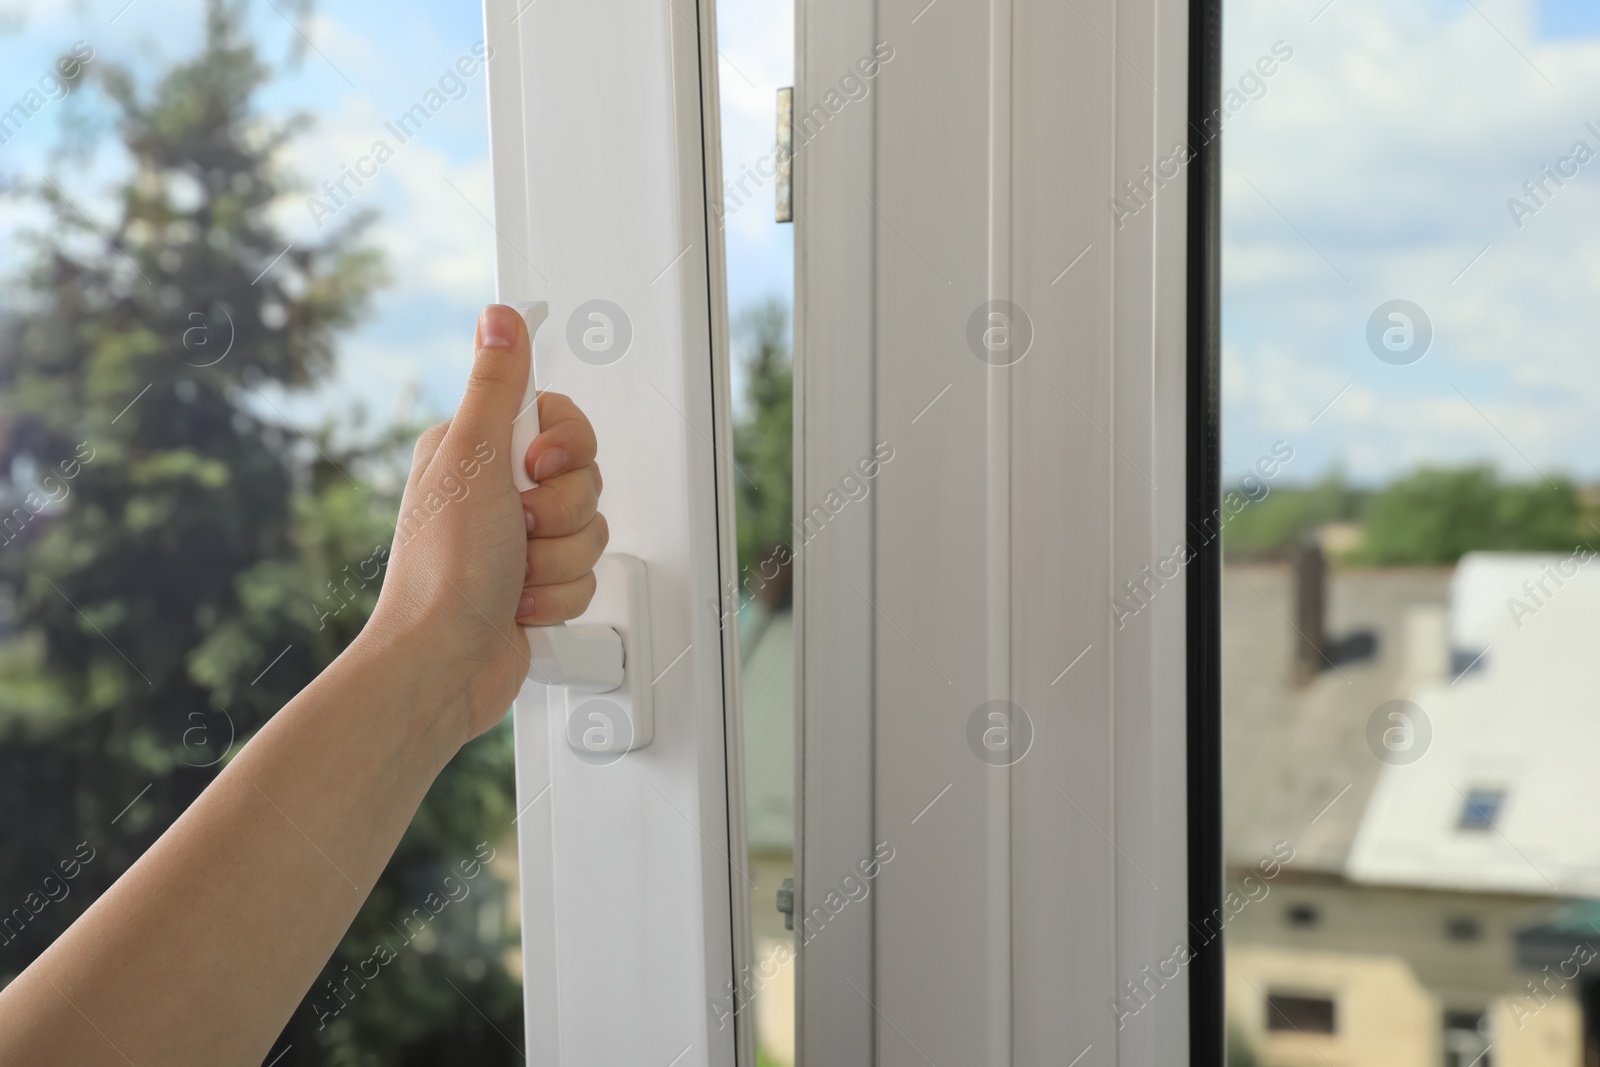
(1374, 164)
(361, 63)
(1377, 165)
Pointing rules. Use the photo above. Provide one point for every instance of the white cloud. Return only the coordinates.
(1390, 144)
(438, 248)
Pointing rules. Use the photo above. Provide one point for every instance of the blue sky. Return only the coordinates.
(366, 62)
(1569, 18)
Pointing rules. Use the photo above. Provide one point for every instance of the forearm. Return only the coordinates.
(202, 950)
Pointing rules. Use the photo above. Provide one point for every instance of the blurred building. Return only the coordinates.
(1430, 770)
(766, 685)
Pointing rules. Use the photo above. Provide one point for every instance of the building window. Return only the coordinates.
(1302, 916)
(1466, 1039)
(1481, 809)
(1307, 1015)
(1463, 928)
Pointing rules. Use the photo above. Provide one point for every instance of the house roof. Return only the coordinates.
(1515, 739)
(1297, 766)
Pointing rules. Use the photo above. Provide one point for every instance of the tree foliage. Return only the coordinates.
(1287, 513)
(177, 559)
(763, 439)
(1428, 517)
(1436, 515)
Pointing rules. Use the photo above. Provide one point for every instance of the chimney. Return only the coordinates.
(1310, 569)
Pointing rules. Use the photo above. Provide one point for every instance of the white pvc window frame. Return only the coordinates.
(1023, 901)
(604, 146)
(1010, 906)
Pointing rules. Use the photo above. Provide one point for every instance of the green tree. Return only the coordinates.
(1271, 523)
(1435, 515)
(1429, 517)
(177, 560)
(1240, 1051)
(763, 438)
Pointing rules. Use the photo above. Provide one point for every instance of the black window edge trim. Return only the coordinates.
(1207, 1034)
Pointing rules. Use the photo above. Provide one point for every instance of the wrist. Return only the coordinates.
(426, 689)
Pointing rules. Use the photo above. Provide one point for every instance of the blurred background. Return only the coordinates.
(1410, 608)
(226, 311)
(243, 247)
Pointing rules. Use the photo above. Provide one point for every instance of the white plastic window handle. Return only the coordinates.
(526, 426)
(581, 657)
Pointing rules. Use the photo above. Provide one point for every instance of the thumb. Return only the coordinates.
(499, 377)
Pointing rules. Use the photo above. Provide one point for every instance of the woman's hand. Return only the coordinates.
(473, 558)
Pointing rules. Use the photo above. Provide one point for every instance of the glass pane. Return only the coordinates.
(215, 351)
(1411, 508)
(756, 41)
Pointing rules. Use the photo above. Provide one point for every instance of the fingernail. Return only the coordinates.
(527, 519)
(550, 463)
(497, 325)
(525, 606)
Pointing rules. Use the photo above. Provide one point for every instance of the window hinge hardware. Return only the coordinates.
(786, 902)
(785, 152)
